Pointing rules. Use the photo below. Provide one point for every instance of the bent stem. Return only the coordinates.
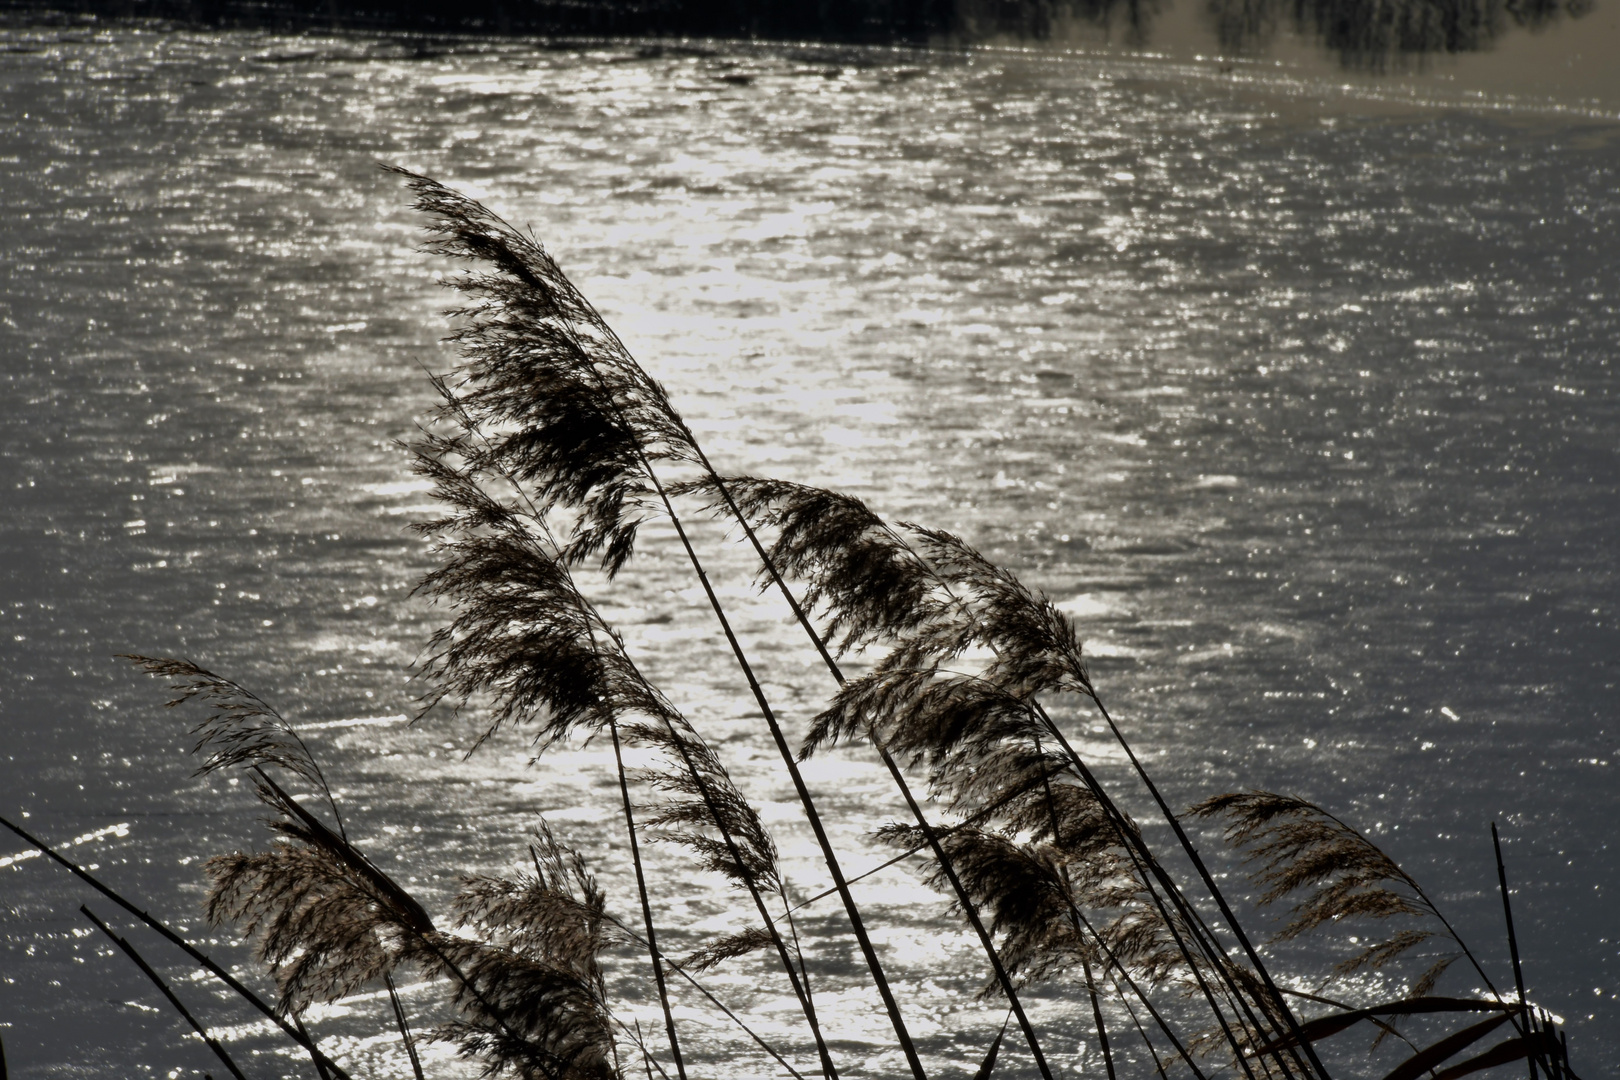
(1215, 892)
(802, 790)
(969, 908)
(293, 1032)
(646, 905)
(157, 980)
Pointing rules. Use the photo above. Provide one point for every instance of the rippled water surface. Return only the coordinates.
(1302, 403)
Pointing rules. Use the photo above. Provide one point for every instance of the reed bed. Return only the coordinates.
(550, 449)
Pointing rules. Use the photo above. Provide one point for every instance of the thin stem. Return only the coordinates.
(647, 1060)
(1074, 922)
(940, 857)
(1513, 939)
(1214, 890)
(1158, 1065)
(646, 905)
(157, 980)
(950, 830)
(404, 1026)
(298, 1021)
(208, 965)
(1096, 1012)
(716, 1002)
(1119, 967)
(856, 923)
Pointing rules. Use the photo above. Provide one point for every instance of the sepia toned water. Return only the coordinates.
(1301, 400)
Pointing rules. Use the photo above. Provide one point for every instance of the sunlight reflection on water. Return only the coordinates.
(1302, 405)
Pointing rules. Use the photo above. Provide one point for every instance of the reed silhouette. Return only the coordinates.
(550, 449)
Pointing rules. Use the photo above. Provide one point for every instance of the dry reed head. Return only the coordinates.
(750, 939)
(562, 406)
(323, 919)
(523, 636)
(529, 984)
(240, 728)
(856, 571)
(1333, 872)
(925, 594)
(703, 809)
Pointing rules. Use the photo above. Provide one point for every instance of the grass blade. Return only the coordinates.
(989, 1065)
(1429, 1057)
(1510, 1050)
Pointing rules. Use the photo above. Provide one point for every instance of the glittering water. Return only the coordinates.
(1303, 404)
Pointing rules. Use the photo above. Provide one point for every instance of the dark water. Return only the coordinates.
(1302, 402)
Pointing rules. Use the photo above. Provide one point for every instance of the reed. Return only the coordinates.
(550, 449)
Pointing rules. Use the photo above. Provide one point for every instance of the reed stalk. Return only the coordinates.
(592, 620)
(163, 987)
(404, 1026)
(548, 310)
(1513, 939)
(646, 905)
(965, 902)
(291, 1029)
(1096, 1012)
(1145, 864)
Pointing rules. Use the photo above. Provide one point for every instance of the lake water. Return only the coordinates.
(1302, 400)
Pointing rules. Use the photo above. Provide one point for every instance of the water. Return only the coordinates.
(1301, 400)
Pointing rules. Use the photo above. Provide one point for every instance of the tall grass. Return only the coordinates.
(550, 449)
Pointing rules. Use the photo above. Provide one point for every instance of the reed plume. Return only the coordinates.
(240, 729)
(535, 962)
(577, 419)
(1299, 850)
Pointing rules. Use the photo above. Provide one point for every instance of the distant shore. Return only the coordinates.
(852, 21)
